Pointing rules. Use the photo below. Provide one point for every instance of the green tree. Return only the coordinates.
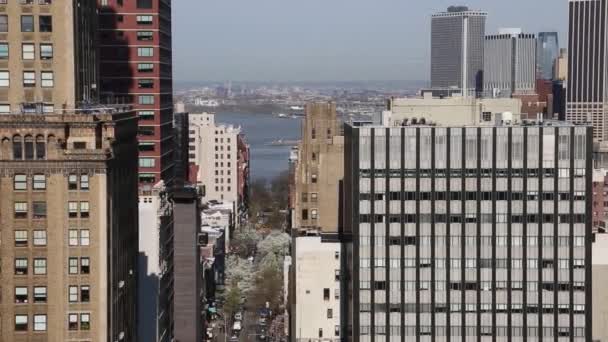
(233, 301)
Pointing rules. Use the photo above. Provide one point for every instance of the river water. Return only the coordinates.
(260, 130)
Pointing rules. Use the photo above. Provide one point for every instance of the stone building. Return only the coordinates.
(68, 213)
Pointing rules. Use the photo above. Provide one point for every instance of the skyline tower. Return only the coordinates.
(457, 39)
(587, 97)
(509, 64)
(547, 53)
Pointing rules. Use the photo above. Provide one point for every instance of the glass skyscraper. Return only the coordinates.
(547, 52)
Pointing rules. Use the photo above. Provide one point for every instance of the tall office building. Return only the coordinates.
(509, 64)
(47, 55)
(547, 52)
(457, 38)
(136, 69)
(477, 233)
(587, 98)
(69, 217)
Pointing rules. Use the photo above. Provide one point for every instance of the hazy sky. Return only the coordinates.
(319, 40)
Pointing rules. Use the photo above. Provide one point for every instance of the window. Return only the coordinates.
(330, 313)
(72, 182)
(85, 293)
(147, 162)
(326, 294)
(146, 99)
(72, 322)
(39, 182)
(145, 52)
(20, 238)
(40, 266)
(84, 209)
(47, 79)
(39, 210)
(20, 266)
(20, 210)
(39, 322)
(85, 267)
(20, 182)
(3, 23)
(27, 23)
(143, 20)
(145, 84)
(145, 35)
(4, 79)
(46, 51)
(3, 50)
(20, 322)
(29, 79)
(314, 214)
(39, 237)
(40, 294)
(21, 296)
(84, 237)
(5, 109)
(28, 52)
(73, 294)
(85, 321)
(73, 265)
(45, 23)
(73, 237)
(145, 67)
(73, 209)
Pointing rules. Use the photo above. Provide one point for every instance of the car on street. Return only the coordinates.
(238, 316)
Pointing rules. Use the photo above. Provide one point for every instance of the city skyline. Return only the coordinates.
(320, 41)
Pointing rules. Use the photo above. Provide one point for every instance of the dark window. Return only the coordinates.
(3, 23)
(39, 209)
(145, 35)
(85, 265)
(29, 148)
(80, 145)
(46, 23)
(145, 83)
(325, 294)
(304, 214)
(27, 23)
(40, 148)
(144, 3)
(17, 148)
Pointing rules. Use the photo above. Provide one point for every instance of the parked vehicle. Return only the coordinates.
(237, 327)
(238, 316)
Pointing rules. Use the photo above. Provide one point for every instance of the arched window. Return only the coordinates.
(40, 147)
(29, 147)
(17, 147)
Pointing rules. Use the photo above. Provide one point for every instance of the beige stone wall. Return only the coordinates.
(321, 156)
(62, 64)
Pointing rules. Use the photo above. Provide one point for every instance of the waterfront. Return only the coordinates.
(260, 131)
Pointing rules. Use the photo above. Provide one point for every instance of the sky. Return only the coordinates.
(328, 40)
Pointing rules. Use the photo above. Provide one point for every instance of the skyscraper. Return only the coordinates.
(69, 215)
(457, 38)
(477, 233)
(136, 69)
(48, 59)
(587, 98)
(547, 53)
(509, 64)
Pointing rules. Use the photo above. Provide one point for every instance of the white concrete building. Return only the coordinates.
(599, 267)
(154, 262)
(213, 149)
(315, 306)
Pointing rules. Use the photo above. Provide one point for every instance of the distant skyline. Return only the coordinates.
(320, 40)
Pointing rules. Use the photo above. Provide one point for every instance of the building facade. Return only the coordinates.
(155, 287)
(470, 233)
(547, 52)
(600, 297)
(319, 171)
(136, 69)
(48, 60)
(587, 100)
(69, 215)
(457, 38)
(509, 64)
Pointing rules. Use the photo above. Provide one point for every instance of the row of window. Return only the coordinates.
(28, 2)
(76, 294)
(473, 308)
(483, 173)
(39, 266)
(45, 23)
(29, 108)
(473, 196)
(484, 240)
(80, 321)
(76, 237)
(28, 147)
(440, 285)
(39, 210)
(472, 331)
(38, 182)
(47, 79)
(473, 263)
(28, 51)
(473, 218)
